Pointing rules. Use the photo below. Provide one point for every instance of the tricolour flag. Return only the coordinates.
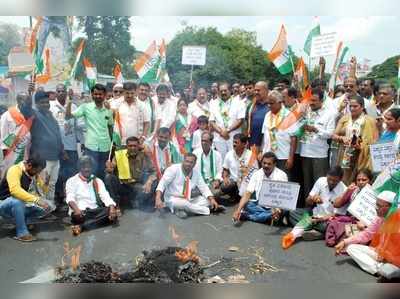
(45, 75)
(34, 49)
(79, 51)
(280, 54)
(117, 131)
(162, 74)
(147, 65)
(91, 73)
(117, 72)
(314, 32)
(340, 55)
(301, 75)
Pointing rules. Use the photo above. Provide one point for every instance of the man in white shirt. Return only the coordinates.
(90, 205)
(184, 190)
(131, 118)
(318, 126)
(226, 117)
(248, 208)
(165, 108)
(340, 106)
(274, 139)
(143, 93)
(239, 164)
(209, 161)
(68, 131)
(310, 223)
(200, 106)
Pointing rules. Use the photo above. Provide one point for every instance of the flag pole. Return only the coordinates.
(191, 76)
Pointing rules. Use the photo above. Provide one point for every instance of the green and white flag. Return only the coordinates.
(91, 73)
(147, 65)
(314, 32)
(280, 54)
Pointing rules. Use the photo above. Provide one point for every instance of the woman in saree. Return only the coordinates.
(185, 125)
(354, 133)
(337, 225)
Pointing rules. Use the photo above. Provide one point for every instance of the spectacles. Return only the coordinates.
(117, 91)
(348, 86)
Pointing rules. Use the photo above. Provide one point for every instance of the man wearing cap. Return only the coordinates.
(365, 256)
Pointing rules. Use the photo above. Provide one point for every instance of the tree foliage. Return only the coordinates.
(386, 71)
(232, 57)
(108, 40)
(9, 37)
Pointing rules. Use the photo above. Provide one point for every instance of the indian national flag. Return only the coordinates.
(280, 54)
(33, 48)
(340, 55)
(147, 65)
(301, 74)
(45, 76)
(314, 32)
(117, 130)
(91, 73)
(79, 51)
(118, 73)
(162, 74)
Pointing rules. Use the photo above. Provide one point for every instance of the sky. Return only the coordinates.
(368, 37)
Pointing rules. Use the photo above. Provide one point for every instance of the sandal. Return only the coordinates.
(76, 230)
(25, 238)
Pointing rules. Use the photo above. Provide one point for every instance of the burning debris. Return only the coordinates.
(156, 266)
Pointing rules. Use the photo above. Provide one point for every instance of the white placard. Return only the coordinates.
(382, 154)
(277, 194)
(363, 206)
(194, 55)
(324, 45)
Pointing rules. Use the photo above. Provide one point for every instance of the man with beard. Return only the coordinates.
(214, 91)
(200, 106)
(98, 122)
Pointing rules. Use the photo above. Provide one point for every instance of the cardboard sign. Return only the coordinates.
(194, 55)
(324, 45)
(277, 194)
(382, 154)
(363, 206)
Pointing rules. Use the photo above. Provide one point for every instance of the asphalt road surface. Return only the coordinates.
(238, 249)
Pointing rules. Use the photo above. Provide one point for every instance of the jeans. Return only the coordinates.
(256, 213)
(68, 168)
(92, 218)
(100, 159)
(15, 209)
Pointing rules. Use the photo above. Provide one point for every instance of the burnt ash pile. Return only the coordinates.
(156, 266)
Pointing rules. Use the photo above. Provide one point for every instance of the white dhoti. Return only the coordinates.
(198, 205)
(365, 256)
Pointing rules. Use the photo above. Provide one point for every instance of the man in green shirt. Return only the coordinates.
(98, 120)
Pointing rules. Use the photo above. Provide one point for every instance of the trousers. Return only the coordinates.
(18, 211)
(92, 218)
(198, 205)
(51, 171)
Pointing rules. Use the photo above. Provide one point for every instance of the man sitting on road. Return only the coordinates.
(185, 190)
(89, 203)
(311, 223)
(248, 208)
(132, 174)
(20, 191)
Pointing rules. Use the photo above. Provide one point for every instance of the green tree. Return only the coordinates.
(386, 71)
(232, 57)
(108, 40)
(9, 37)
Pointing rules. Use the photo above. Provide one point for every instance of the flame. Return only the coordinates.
(189, 253)
(177, 238)
(74, 254)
